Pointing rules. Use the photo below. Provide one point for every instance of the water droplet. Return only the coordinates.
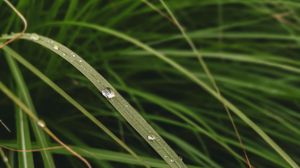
(73, 55)
(55, 47)
(41, 123)
(35, 37)
(151, 137)
(108, 93)
(63, 54)
(5, 159)
(80, 60)
(172, 161)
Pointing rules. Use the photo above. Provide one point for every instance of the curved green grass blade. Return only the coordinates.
(60, 91)
(280, 63)
(192, 77)
(119, 103)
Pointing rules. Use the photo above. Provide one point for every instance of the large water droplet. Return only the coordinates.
(55, 47)
(151, 137)
(41, 123)
(35, 37)
(108, 93)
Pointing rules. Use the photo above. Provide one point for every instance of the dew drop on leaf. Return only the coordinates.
(108, 93)
(151, 137)
(41, 123)
(55, 47)
(5, 159)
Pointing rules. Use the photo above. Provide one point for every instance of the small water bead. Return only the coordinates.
(170, 160)
(80, 60)
(108, 93)
(5, 159)
(151, 137)
(63, 54)
(35, 37)
(73, 55)
(41, 123)
(55, 47)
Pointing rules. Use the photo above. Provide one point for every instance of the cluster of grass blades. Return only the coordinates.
(250, 68)
(119, 103)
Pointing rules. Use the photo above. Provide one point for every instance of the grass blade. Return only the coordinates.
(193, 78)
(24, 94)
(119, 103)
(24, 141)
(70, 100)
(40, 122)
(4, 158)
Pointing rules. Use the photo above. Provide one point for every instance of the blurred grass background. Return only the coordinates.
(251, 48)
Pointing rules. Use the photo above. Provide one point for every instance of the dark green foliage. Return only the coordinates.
(251, 48)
